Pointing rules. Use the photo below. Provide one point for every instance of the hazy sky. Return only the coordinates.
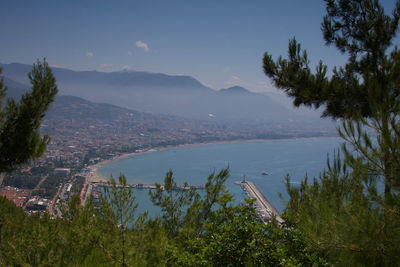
(220, 43)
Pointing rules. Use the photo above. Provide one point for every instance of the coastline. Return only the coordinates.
(95, 176)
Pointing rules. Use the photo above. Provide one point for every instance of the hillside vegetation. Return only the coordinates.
(191, 231)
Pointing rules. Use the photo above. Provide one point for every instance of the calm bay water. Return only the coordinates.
(194, 163)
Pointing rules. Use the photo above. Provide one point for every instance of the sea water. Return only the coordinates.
(265, 163)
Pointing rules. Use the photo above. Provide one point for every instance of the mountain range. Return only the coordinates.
(170, 95)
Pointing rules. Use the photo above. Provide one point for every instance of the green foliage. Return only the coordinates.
(49, 186)
(29, 179)
(20, 139)
(187, 210)
(211, 232)
(150, 244)
(351, 213)
(361, 30)
(25, 239)
(21, 180)
(78, 184)
(216, 196)
(172, 201)
(236, 237)
(118, 209)
(343, 216)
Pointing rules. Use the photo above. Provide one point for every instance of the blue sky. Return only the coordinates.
(220, 43)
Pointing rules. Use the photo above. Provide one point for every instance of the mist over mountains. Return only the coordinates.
(173, 95)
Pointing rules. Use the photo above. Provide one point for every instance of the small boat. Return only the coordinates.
(264, 173)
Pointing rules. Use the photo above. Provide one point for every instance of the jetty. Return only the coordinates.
(265, 210)
(152, 186)
(94, 188)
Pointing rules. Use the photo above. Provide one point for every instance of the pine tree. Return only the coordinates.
(20, 139)
(361, 30)
(117, 208)
(352, 212)
(172, 203)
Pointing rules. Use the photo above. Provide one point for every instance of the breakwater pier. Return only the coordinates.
(264, 208)
(94, 188)
(152, 186)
